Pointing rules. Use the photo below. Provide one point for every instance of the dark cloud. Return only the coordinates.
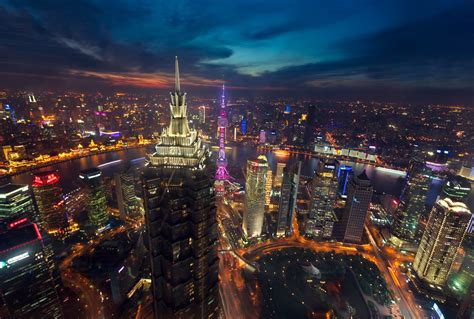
(267, 33)
(402, 48)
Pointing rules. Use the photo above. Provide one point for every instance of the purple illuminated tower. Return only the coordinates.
(222, 175)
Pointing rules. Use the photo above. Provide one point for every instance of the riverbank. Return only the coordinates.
(53, 162)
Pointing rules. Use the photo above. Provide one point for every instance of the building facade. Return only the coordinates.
(16, 201)
(96, 201)
(359, 195)
(323, 197)
(268, 186)
(48, 197)
(125, 192)
(278, 179)
(441, 239)
(255, 184)
(343, 175)
(412, 203)
(27, 286)
(288, 196)
(180, 218)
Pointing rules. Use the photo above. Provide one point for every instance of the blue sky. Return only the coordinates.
(420, 50)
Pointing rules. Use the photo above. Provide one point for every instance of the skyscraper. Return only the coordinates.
(180, 217)
(262, 137)
(16, 201)
(288, 196)
(343, 175)
(412, 203)
(460, 282)
(48, 196)
(255, 183)
(323, 197)
(27, 286)
(278, 179)
(359, 195)
(268, 186)
(441, 239)
(125, 191)
(96, 200)
(457, 188)
(202, 114)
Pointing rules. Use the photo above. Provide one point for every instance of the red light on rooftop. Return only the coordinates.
(49, 179)
(37, 181)
(17, 222)
(395, 202)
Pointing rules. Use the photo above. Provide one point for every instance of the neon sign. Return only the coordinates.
(49, 179)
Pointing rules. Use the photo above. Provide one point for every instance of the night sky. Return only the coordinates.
(415, 51)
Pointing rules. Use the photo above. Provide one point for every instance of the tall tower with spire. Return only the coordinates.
(180, 218)
(222, 175)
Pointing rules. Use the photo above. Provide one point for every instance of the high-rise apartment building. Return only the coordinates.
(323, 197)
(96, 201)
(27, 286)
(48, 196)
(255, 184)
(16, 201)
(441, 239)
(180, 217)
(359, 195)
(288, 196)
(412, 203)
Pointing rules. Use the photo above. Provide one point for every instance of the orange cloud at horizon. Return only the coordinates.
(149, 80)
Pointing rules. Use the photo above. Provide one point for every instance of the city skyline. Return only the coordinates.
(403, 52)
(300, 160)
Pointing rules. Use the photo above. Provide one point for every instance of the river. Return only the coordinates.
(383, 181)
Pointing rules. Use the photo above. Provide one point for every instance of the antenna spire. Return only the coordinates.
(177, 86)
(223, 94)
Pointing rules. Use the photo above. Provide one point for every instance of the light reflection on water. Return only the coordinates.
(383, 181)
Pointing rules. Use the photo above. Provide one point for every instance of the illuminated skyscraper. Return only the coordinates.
(288, 196)
(457, 188)
(48, 196)
(243, 126)
(96, 200)
(323, 197)
(268, 186)
(460, 282)
(343, 175)
(262, 137)
(441, 239)
(255, 196)
(412, 203)
(180, 217)
(278, 179)
(202, 114)
(359, 195)
(27, 286)
(16, 201)
(125, 191)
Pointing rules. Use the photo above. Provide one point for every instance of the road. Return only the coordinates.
(387, 260)
(94, 301)
(390, 261)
